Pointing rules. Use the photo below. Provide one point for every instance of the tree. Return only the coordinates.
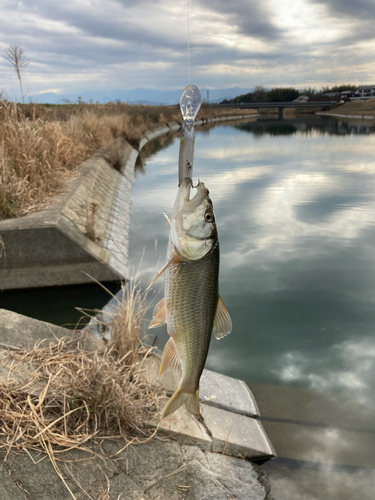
(282, 94)
(259, 94)
(16, 57)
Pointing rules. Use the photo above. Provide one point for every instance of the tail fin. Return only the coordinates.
(178, 399)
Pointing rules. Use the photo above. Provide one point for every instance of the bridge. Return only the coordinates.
(326, 105)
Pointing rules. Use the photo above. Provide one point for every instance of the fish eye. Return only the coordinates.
(209, 217)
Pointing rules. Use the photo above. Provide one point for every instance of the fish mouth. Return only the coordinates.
(185, 190)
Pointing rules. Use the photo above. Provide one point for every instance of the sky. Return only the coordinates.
(77, 45)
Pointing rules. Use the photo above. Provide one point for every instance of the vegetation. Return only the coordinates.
(43, 145)
(285, 94)
(15, 56)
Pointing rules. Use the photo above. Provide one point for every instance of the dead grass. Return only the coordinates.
(42, 147)
(71, 396)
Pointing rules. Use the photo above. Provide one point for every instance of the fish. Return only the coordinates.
(192, 306)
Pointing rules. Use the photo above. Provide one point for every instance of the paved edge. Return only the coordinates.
(340, 115)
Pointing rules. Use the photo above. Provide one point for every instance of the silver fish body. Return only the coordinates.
(191, 306)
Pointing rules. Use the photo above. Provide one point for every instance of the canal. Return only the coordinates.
(294, 202)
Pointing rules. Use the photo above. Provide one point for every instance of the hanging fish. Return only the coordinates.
(192, 306)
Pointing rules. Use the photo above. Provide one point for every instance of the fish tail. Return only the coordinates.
(178, 399)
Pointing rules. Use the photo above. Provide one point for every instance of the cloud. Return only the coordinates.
(132, 44)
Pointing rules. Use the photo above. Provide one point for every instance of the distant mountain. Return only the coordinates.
(136, 96)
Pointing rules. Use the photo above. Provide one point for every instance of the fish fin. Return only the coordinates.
(178, 399)
(222, 321)
(158, 307)
(160, 318)
(173, 259)
(168, 219)
(170, 358)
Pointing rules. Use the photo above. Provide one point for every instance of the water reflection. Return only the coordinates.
(309, 126)
(295, 209)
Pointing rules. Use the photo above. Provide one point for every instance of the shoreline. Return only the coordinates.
(83, 234)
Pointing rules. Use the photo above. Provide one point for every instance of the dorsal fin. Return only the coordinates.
(222, 321)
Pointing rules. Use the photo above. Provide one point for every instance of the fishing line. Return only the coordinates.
(188, 38)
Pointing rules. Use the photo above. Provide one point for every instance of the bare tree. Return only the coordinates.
(16, 57)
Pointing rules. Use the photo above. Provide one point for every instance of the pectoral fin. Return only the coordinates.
(173, 259)
(222, 321)
(159, 306)
(160, 317)
(170, 358)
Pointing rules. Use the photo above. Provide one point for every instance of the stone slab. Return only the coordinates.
(234, 434)
(227, 393)
(156, 131)
(215, 389)
(17, 331)
(183, 427)
(230, 433)
(174, 126)
(162, 470)
(142, 143)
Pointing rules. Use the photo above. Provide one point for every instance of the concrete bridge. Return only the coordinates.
(281, 105)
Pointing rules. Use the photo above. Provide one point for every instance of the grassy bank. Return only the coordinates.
(42, 146)
(357, 107)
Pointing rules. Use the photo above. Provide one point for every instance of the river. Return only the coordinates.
(294, 202)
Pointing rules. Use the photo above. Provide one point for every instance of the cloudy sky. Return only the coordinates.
(79, 45)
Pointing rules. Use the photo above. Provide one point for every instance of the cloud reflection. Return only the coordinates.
(296, 228)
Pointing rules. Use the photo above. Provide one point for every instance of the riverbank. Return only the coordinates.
(62, 435)
(360, 110)
(82, 235)
(43, 146)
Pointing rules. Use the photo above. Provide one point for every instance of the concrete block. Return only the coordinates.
(199, 483)
(237, 434)
(227, 393)
(149, 463)
(156, 131)
(242, 478)
(17, 331)
(174, 126)
(183, 427)
(142, 143)
(215, 389)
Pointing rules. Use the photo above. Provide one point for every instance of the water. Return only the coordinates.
(294, 202)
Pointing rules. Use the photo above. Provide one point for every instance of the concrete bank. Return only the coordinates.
(183, 461)
(341, 115)
(83, 234)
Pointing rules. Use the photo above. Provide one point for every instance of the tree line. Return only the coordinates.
(285, 94)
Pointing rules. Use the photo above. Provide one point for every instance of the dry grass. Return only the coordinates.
(71, 396)
(42, 147)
